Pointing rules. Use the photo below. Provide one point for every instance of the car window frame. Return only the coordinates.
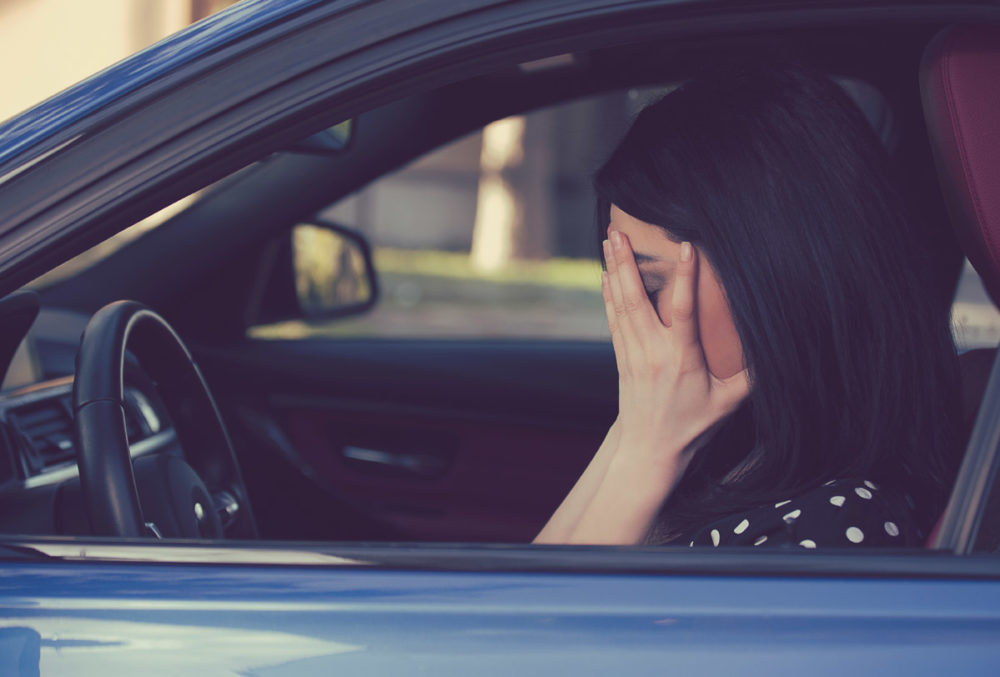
(976, 477)
(525, 558)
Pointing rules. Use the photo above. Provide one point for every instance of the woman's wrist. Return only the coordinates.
(645, 478)
(651, 460)
(626, 504)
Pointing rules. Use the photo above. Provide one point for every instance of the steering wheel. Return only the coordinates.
(179, 493)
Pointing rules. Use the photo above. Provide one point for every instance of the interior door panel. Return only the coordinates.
(444, 440)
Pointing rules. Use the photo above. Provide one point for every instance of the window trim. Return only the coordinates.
(971, 490)
(491, 558)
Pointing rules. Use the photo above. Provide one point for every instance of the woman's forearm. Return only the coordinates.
(629, 498)
(560, 526)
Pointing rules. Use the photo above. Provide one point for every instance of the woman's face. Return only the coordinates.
(657, 255)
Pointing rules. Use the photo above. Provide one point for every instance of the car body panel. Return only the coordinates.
(130, 618)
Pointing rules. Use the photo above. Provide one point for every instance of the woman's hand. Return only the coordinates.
(669, 402)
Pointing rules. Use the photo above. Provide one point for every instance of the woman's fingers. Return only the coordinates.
(609, 310)
(609, 304)
(618, 321)
(612, 305)
(635, 303)
(683, 323)
(634, 316)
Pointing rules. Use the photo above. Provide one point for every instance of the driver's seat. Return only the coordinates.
(960, 88)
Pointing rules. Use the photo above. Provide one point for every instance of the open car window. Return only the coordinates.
(975, 320)
(521, 186)
(494, 235)
(489, 236)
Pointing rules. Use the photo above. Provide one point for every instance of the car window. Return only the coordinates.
(508, 211)
(975, 320)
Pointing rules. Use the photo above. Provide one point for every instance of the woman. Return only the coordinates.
(786, 374)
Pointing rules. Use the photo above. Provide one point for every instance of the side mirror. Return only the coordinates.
(334, 274)
(314, 271)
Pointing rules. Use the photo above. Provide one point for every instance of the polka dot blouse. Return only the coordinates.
(841, 513)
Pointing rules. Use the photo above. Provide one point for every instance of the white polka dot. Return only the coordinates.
(741, 527)
(807, 543)
(691, 544)
(760, 540)
(870, 485)
(826, 484)
(891, 529)
(792, 515)
(837, 500)
(863, 493)
(778, 505)
(855, 535)
(715, 537)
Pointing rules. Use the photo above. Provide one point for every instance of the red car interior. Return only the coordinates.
(960, 87)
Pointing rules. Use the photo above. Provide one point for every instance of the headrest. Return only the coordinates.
(960, 88)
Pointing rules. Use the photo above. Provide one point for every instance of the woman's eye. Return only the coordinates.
(653, 285)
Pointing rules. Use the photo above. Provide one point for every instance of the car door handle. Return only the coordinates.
(395, 463)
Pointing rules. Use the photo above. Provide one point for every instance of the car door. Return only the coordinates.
(446, 440)
(101, 609)
(78, 605)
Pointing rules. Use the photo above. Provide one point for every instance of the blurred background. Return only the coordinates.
(506, 211)
(48, 45)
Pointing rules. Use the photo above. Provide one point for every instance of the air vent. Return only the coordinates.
(49, 427)
(43, 430)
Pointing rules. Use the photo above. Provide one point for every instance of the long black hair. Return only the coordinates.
(778, 179)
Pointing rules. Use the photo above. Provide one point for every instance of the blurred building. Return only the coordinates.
(519, 189)
(48, 45)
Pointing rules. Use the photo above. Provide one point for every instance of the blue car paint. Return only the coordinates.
(33, 126)
(87, 618)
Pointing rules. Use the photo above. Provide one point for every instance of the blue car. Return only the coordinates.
(257, 463)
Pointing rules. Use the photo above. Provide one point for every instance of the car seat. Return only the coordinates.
(960, 89)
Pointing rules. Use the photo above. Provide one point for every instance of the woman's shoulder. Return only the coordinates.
(847, 512)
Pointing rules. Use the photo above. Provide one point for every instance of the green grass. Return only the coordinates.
(564, 273)
(527, 299)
